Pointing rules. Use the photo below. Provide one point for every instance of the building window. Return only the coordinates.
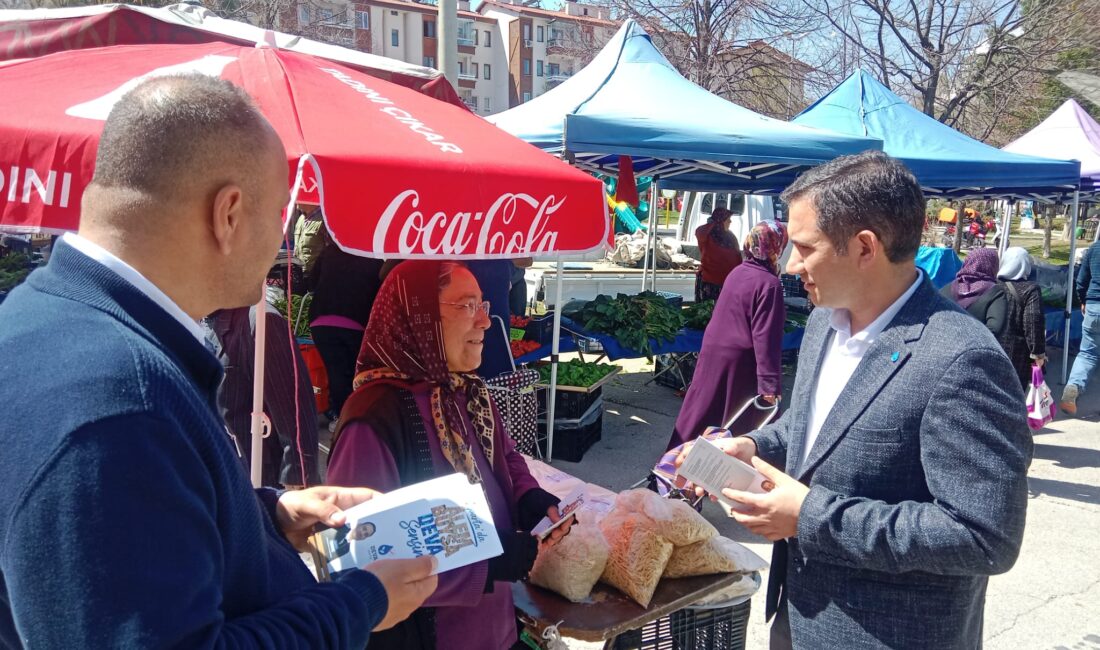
(488, 39)
(553, 69)
(586, 11)
(527, 67)
(395, 38)
(538, 67)
(326, 15)
(429, 61)
(473, 69)
(488, 105)
(488, 71)
(393, 13)
(429, 29)
(476, 38)
(362, 19)
(303, 14)
(541, 33)
(527, 32)
(526, 97)
(473, 103)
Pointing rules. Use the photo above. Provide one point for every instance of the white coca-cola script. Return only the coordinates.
(515, 223)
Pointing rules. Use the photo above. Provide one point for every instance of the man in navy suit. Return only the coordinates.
(904, 453)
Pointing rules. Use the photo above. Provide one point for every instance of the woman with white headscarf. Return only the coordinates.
(1024, 334)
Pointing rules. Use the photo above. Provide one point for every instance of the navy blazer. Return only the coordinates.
(918, 485)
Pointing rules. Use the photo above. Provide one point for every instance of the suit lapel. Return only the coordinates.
(814, 345)
(886, 356)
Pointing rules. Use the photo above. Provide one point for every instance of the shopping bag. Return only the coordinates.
(1040, 403)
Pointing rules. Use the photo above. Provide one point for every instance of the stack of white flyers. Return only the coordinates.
(710, 468)
(447, 517)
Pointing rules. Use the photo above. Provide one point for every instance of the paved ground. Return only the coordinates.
(1050, 600)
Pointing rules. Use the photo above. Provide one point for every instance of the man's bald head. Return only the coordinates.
(178, 138)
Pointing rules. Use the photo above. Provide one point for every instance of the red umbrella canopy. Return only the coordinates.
(396, 173)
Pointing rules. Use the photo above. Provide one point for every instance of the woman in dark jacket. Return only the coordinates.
(742, 344)
(420, 411)
(1023, 336)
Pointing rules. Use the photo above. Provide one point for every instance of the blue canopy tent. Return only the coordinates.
(946, 162)
(630, 101)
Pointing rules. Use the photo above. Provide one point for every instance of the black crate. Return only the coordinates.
(570, 404)
(572, 438)
(541, 329)
(691, 629)
(672, 378)
(792, 286)
(674, 299)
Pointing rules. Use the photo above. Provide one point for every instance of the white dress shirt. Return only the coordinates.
(139, 281)
(842, 357)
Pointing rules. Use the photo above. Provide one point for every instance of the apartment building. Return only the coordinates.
(407, 31)
(545, 47)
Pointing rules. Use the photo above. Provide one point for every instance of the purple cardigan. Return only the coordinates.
(466, 617)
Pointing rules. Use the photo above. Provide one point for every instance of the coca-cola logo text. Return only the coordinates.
(470, 233)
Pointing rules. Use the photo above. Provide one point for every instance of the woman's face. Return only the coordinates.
(463, 333)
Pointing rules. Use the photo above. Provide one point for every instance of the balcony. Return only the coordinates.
(467, 75)
(558, 77)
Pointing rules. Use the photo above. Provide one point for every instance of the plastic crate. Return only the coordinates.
(570, 404)
(541, 329)
(691, 629)
(674, 299)
(574, 437)
(589, 345)
(672, 378)
(792, 286)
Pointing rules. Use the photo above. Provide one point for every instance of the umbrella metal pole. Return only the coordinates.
(1070, 281)
(554, 349)
(653, 229)
(1010, 209)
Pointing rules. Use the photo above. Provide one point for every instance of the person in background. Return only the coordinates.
(742, 345)
(517, 297)
(977, 276)
(1084, 364)
(290, 452)
(419, 412)
(309, 236)
(718, 252)
(127, 505)
(344, 287)
(495, 279)
(1023, 336)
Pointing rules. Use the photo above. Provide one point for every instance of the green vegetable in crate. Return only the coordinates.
(299, 313)
(577, 373)
(634, 321)
(698, 315)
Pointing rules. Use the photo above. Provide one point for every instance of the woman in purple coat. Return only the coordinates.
(419, 411)
(742, 344)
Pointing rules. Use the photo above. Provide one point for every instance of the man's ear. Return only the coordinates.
(866, 245)
(226, 216)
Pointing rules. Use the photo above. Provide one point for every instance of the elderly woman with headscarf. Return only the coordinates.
(742, 345)
(718, 253)
(976, 277)
(1023, 336)
(420, 411)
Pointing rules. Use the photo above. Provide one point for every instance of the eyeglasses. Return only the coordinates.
(471, 308)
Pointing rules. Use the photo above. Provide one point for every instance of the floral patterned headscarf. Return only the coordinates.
(403, 344)
(765, 243)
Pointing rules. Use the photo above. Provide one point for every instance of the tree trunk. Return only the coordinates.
(960, 218)
(1048, 225)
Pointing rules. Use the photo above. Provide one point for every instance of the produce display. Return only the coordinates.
(633, 320)
(14, 268)
(577, 373)
(794, 322)
(298, 305)
(522, 347)
(518, 322)
(698, 315)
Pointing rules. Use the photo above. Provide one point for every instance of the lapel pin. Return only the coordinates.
(894, 357)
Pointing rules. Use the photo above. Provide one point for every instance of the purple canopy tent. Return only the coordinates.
(1069, 133)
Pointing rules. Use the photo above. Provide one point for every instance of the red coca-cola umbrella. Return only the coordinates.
(396, 173)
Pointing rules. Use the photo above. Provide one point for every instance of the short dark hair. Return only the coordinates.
(167, 133)
(867, 191)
